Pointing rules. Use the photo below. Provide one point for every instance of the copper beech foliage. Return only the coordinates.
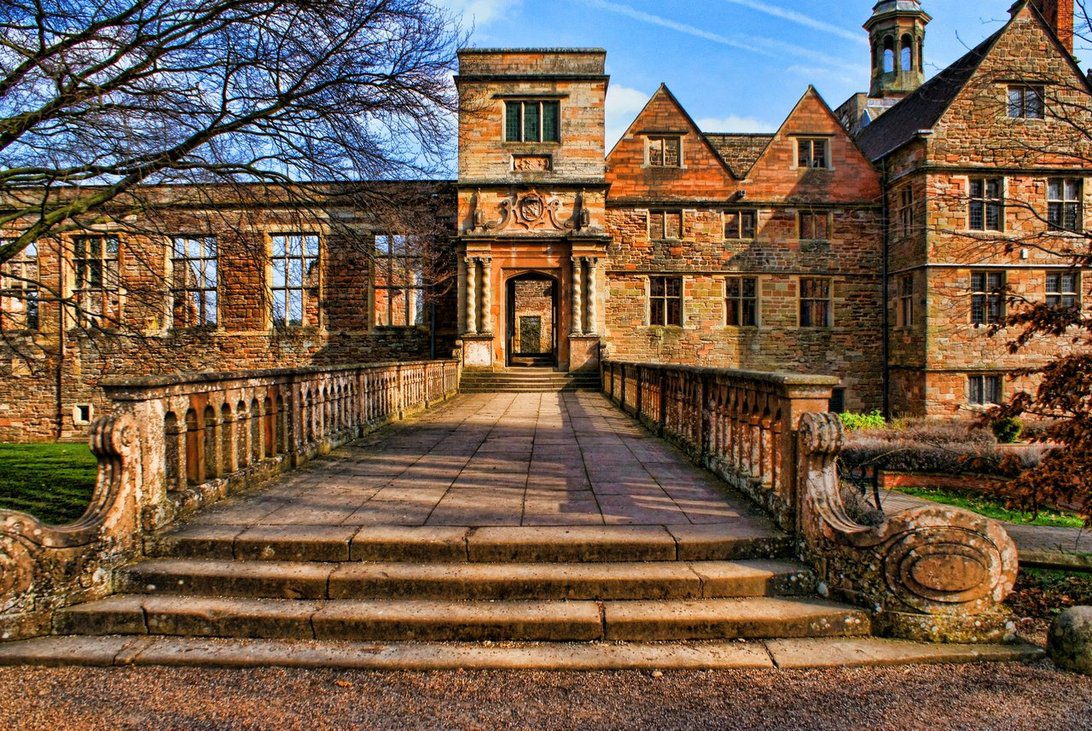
(1063, 476)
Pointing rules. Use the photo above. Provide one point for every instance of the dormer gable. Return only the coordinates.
(663, 156)
(812, 158)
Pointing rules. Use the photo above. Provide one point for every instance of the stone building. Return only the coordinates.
(873, 242)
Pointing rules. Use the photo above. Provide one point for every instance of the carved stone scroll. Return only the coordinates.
(936, 573)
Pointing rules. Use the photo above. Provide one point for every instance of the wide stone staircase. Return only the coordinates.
(506, 584)
(526, 380)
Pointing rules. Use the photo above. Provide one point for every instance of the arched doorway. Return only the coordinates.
(532, 320)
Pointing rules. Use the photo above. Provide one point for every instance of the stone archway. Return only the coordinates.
(532, 319)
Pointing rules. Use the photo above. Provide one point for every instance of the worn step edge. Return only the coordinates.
(427, 620)
(193, 652)
(481, 581)
(491, 545)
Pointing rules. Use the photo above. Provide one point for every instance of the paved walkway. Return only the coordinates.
(1030, 539)
(549, 459)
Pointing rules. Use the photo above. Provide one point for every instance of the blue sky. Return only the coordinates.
(736, 65)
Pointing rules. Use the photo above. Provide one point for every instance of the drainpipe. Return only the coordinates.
(885, 315)
(59, 383)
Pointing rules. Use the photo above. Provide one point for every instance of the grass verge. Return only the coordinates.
(51, 481)
(994, 509)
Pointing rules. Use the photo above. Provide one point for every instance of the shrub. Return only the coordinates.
(1007, 430)
(953, 458)
(858, 422)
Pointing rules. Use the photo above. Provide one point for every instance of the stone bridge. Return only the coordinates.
(679, 504)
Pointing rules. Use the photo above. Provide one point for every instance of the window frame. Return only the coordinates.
(662, 302)
(663, 139)
(986, 201)
(303, 287)
(904, 310)
(807, 162)
(740, 300)
(179, 265)
(803, 302)
(1065, 298)
(1021, 106)
(105, 294)
(19, 283)
(985, 299)
(662, 234)
(541, 103)
(906, 210)
(391, 256)
(813, 215)
(983, 399)
(1063, 204)
(739, 214)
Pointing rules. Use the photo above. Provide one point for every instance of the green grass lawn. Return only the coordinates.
(52, 482)
(994, 509)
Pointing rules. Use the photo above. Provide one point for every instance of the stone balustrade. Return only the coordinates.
(936, 573)
(173, 444)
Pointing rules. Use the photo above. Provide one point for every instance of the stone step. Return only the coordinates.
(121, 651)
(431, 620)
(592, 544)
(486, 581)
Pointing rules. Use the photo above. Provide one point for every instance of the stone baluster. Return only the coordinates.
(577, 315)
(471, 296)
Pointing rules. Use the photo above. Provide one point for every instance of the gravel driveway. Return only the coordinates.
(991, 696)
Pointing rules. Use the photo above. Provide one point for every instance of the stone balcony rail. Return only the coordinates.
(936, 573)
(173, 444)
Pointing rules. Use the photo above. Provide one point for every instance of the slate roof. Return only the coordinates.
(739, 152)
(922, 109)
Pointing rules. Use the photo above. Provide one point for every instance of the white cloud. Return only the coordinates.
(623, 105)
(479, 12)
(734, 123)
(802, 19)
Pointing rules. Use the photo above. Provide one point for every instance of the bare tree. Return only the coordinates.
(101, 97)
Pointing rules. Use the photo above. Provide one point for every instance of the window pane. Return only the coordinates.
(295, 307)
(531, 126)
(511, 121)
(278, 307)
(733, 287)
(295, 273)
(551, 121)
(1016, 102)
(748, 224)
(658, 286)
(210, 307)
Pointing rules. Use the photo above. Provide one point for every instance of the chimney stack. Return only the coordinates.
(1059, 14)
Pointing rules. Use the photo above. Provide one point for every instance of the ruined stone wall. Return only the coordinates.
(49, 378)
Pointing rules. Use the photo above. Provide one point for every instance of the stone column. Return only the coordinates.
(472, 296)
(592, 264)
(578, 315)
(461, 289)
(487, 295)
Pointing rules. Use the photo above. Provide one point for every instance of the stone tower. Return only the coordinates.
(897, 35)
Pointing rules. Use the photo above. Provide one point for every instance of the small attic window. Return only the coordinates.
(1026, 101)
(813, 152)
(665, 152)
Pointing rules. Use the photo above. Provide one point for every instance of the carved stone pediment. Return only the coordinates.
(531, 211)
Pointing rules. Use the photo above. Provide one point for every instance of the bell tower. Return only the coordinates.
(897, 35)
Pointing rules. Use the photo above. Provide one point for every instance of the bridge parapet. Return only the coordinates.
(173, 444)
(936, 574)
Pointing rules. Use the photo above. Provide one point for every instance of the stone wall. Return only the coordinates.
(49, 379)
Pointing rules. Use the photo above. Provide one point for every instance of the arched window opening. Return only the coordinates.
(226, 431)
(907, 60)
(269, 430)
(212, 464)
(888, 55)
(193, 449)
(255, 430)
(170, 453)
(241, 453)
